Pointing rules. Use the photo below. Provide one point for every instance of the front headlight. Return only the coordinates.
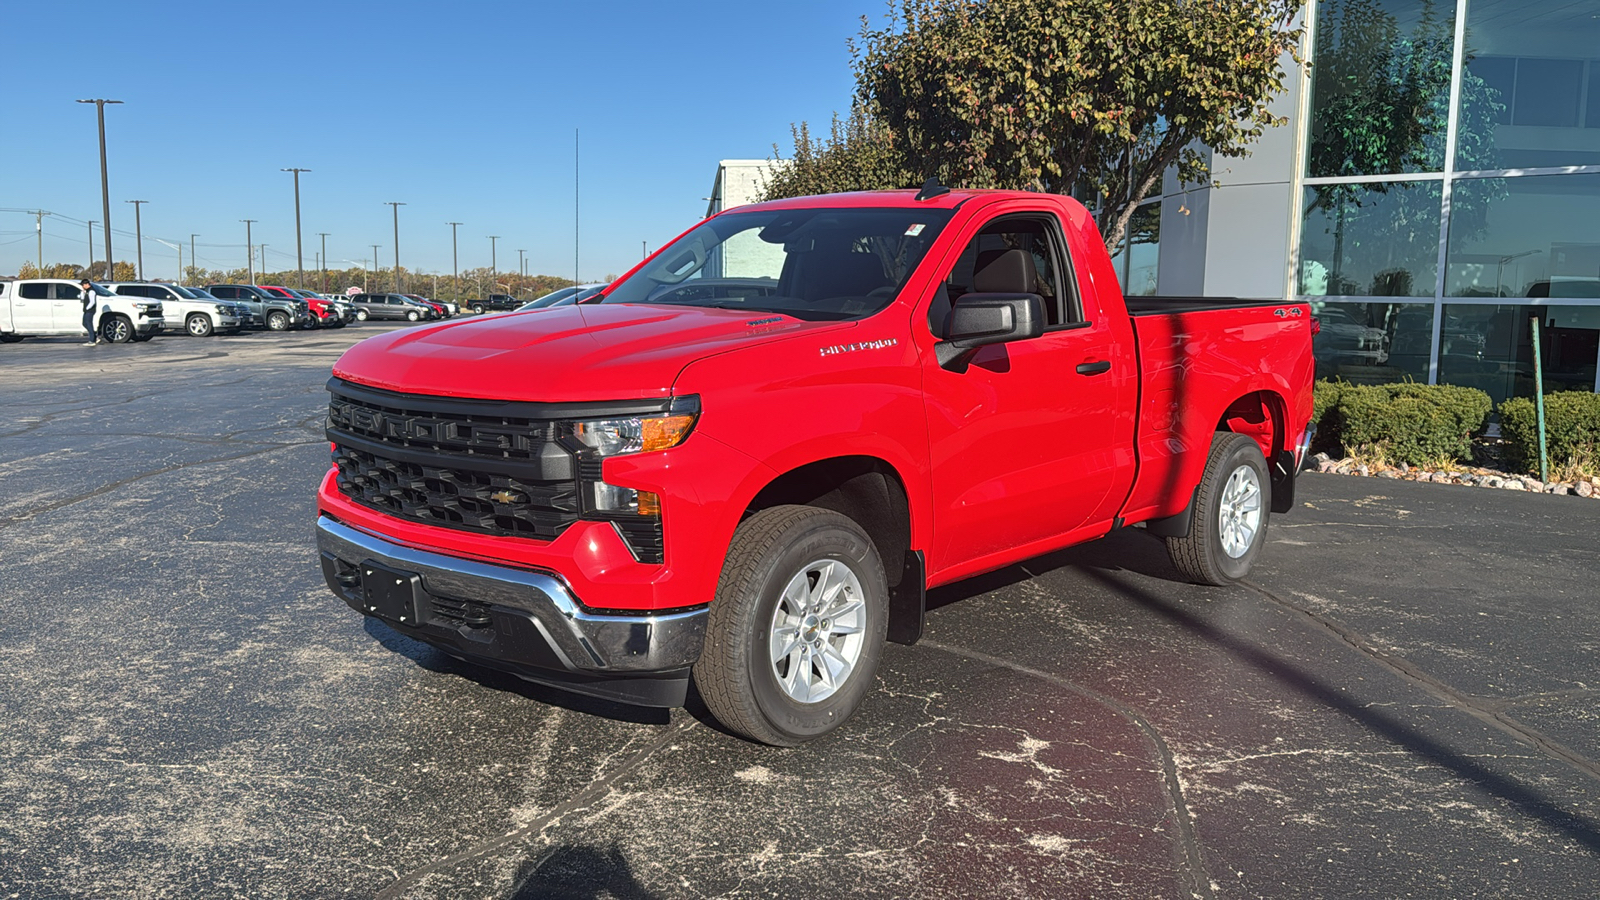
(630, 434)
(636, 434)
(223, 310)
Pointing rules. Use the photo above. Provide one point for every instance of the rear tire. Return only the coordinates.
(10, 338)
(796, 628)
(477, 308)
(198, 325)
(1228, 525)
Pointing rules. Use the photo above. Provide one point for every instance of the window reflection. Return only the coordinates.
(1144, 250)
(1373, 343)
(1528, 97)
(1380, 86)
(1499, 358)
(1535, 236)
(1377, 240)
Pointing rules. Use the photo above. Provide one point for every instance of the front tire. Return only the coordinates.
(116, 329)
(361, 315)
(198, 325)
(412, 316)
(278, 321)
(796, 628)
(1228, 526)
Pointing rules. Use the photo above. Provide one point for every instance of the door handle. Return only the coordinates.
(1094, 368)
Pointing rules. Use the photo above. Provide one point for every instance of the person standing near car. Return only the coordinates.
(91, 305)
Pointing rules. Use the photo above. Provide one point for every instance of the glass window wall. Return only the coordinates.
(1529, 94)
(1373, 343)
(1372, 240)
(1144, 250)
(1380, 86)
(1535, 236)
(1490, 347)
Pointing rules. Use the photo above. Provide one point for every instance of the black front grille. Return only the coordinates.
(475, 465)
(457, 497)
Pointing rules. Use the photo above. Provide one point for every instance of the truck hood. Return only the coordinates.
(619, 351)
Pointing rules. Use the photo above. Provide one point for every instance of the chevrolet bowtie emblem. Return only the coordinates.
(507, 497)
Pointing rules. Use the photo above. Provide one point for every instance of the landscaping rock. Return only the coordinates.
(1513, 484)
(1493, 481)
(1584, 489)
(1363, 471)
(1388, 473)
(1560, 490)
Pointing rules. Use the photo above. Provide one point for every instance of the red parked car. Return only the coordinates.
(439, 308)
(746, 468)
(322, 312)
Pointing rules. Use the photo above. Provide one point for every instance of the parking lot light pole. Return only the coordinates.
(105, 189)
(89, 270)
(324, 236)
(138, 235)
(375, 269)
(193, 260)
(455, 261)
(397, 283)
(249, 250)
(299, 257)
(522, 271)
(494, 269)
(263, 259)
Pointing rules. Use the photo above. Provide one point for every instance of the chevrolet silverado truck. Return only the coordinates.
(54, 306)
(745, 462)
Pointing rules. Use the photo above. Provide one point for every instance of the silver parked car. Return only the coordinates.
(199, 316)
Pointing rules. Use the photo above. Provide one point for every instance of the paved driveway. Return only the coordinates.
(1402, 701)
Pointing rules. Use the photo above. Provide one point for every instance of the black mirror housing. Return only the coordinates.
(978, 320)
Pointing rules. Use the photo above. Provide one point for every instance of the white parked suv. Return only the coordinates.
(41, 307)
(201, 317)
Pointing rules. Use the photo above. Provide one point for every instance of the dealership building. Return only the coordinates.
(1435, 190)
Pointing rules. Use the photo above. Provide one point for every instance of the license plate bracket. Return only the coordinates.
(392, 594)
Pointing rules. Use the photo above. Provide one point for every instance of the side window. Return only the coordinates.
(34, 291)
(1013, 255)
(68, 292)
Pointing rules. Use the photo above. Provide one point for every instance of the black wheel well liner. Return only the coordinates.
(870, 492)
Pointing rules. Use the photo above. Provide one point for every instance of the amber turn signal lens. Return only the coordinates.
(649, 504)
(666, 431)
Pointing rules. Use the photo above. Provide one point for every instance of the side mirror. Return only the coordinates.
(978, 320)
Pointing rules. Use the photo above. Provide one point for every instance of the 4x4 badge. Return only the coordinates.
(1283, 311)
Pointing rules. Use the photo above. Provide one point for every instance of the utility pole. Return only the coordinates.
(521, 272)
(193, 260)
(455, 260)
(375, 269)
(324, 236)
(38, 226)
(299, 257)
(138, 234)
(575, 207)
(397, 283)
(494, 268)
(105, 188)
(90, 270)
(263, 259)
(249, 250)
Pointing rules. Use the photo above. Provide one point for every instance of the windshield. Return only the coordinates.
(806, 263)
(101, 291)
(201, 294)
(550, 298)
(183, 292)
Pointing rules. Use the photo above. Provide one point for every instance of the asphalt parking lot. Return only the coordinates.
(1403, 701)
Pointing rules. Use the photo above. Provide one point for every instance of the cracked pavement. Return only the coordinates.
(1402, 700)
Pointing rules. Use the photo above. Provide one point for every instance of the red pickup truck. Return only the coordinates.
(746, 461)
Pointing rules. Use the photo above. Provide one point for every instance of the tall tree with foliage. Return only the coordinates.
(1096, 98)
(859, 154)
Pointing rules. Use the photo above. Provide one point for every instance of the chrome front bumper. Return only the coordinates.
(518, 620)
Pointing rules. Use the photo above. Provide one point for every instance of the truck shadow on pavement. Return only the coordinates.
(1130, 550)
(434, 660)
(577, 872)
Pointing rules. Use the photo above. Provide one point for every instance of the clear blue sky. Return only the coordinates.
(465, 111)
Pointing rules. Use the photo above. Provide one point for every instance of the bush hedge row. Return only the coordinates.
(1571, 428)
(1421, 423)
(1413, 423)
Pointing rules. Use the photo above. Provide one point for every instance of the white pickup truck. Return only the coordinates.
(41, 307)
(201, 317)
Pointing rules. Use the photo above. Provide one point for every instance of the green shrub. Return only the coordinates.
(1412, 423)
(1572, 429)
